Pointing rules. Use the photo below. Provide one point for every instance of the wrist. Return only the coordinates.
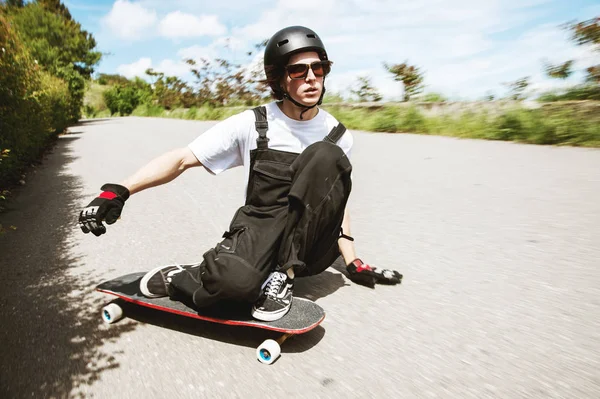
(111, 190)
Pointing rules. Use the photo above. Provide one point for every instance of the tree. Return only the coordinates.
(111, 79)
(170, 91)
(59, 45)
(410, 76)
(55, 39)
(365, 92)
(517, 88)
(560, 71)
(593, 74)
(56, 7)
(585, 32)
(582, 33)
(14, 3)
(588, 32)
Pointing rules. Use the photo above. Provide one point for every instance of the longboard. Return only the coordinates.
(303, 316)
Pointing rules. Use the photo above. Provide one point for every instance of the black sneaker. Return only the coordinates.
(276, 297)
(155, 283)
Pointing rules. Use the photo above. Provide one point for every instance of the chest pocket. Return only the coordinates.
(271, 183)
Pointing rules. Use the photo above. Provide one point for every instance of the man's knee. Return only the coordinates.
(324, 154)
(228, 277)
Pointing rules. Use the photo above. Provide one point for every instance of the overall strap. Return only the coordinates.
(336, 133)
(262, 126)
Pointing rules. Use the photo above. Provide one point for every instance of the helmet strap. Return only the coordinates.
(286, 95)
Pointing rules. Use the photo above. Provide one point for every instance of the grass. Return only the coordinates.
(556, 124)
(569, 123)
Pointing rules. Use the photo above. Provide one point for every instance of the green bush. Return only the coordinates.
(580, 92)
(121, 100)
(32, 105)
(149, 110)
(412, 121)
(559, 123)
(388, 120)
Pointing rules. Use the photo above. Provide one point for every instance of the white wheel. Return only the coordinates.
(111, 313)
(268, 351)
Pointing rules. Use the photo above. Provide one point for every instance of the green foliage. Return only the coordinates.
(557, 124)
(365, 92)
(410, 76)
(332, 97)
(432, 98)
(122, 100)
(560, 71)
(33, 105)
(517, 88)
(580, 92)
(585, 32)
(54, 39)
(94, 98)
(149, 110)
(108, 79)
(582, 33)
(59, 45)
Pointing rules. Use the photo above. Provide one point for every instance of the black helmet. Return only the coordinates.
(282, 45)
(290, 40)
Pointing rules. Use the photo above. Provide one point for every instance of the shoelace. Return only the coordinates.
(275, 284)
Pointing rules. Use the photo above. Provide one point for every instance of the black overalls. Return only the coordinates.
(292, 218)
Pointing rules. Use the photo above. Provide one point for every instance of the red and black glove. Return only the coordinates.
(362, 273)
(106, 207)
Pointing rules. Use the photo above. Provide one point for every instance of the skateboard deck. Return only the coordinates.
(303, 316)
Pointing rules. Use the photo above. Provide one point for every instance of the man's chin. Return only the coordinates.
(309, 102)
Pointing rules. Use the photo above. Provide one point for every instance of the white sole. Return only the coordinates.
(270, 316)
(144, 281)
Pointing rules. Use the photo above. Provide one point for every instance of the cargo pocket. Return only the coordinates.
(271, 182)
(231, 240)
(230, 270)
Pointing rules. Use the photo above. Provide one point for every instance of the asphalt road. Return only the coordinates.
(498, 243)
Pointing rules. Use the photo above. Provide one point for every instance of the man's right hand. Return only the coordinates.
(106, 207)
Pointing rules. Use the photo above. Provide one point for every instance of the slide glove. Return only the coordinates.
(106, 207)
(362, 273)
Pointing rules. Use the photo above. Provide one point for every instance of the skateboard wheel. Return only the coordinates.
(111, 313)
(268, 351)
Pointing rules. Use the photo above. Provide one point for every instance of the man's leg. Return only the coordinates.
(235, 268)
(317, 202)
(320, 190)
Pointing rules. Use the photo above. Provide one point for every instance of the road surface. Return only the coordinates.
(498, 243)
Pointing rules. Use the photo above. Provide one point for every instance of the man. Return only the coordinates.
(294, 218)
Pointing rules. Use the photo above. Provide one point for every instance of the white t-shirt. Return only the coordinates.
(228, 144)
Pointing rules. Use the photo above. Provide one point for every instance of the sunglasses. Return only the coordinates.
(300, 71)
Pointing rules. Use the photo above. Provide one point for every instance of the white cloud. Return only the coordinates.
(231, 43)
(136, 68)
(174, 68)
(128, 20)
(178, 24)
(197, 53)
(166, 66)
(465, 47)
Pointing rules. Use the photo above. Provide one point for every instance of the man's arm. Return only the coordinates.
(359, 271)
(346, 246)
(107, 207)
(161, 170)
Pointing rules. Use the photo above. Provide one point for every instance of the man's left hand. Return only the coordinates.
(364, 274)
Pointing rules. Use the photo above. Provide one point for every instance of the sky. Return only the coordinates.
(467, 49)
